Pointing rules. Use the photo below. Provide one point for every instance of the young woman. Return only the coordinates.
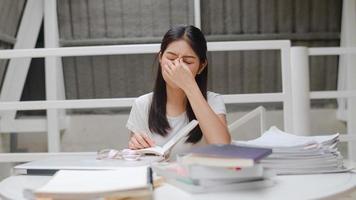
(179, 96)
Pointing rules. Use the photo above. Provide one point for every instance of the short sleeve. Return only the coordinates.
(136, 122)
(216, 103)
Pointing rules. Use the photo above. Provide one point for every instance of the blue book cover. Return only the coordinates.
(232, 151)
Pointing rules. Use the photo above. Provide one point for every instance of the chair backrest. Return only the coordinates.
(259, 111)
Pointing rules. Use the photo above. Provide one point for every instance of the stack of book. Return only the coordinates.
(215, 168)
(299, 154)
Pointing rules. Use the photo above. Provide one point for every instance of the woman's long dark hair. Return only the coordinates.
(157, 120)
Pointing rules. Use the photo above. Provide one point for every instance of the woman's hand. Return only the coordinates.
(140, 141)
(179, 74)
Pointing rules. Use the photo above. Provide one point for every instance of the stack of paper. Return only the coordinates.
(215, 168)
(299, 154)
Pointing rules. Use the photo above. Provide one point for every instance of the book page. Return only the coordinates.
(277, 138)
(183, 132)
(164, 149)
(96, 181)
(157, 150)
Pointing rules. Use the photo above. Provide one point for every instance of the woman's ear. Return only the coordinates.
(203, 65)
(160, 57)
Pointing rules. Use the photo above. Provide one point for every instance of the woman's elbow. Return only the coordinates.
(227, 138)
(224, 138)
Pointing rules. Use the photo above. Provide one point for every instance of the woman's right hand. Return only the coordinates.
(140, 141)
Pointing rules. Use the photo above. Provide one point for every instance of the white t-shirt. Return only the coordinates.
(138, 120)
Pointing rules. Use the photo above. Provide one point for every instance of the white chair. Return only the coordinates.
(259, 111)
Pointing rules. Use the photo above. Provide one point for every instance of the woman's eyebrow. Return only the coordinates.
(187, 56)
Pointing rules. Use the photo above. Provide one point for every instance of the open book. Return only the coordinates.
(161, 151)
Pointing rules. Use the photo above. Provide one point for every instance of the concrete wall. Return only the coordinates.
(98, 22)
(310, 23)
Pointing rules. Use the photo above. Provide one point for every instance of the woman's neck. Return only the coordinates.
(176, 99)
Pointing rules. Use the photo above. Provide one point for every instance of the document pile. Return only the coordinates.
(215, 168)
(299, 154)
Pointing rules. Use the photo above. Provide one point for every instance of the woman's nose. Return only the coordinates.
(176, 61)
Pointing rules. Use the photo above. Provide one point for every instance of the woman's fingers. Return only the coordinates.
(134, 143)
(183, 64)
(131, 145)
(176, 62)
(167, 69)
(141, 140)
(148, 140)
(171, 66)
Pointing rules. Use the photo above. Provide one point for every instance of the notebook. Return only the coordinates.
(161, 151)
(126, 182)
(226, 155)
(85, 162)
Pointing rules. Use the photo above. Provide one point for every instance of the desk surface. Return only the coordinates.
(291, 187)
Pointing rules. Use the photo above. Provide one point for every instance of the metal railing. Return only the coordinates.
(295, 93)
(302, 94)
(285, 96)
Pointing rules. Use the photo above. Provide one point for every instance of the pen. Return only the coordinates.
(150, 177)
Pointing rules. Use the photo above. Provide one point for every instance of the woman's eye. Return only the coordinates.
(188, 62)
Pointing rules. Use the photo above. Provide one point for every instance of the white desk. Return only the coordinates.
(286, 187)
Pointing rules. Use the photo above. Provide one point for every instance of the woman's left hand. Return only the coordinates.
(179, 73)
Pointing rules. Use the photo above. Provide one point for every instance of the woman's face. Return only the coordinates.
(180, 50)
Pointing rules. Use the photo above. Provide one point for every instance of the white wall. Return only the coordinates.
(93, 132)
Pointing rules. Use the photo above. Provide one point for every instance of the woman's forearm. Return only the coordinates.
(214, 129)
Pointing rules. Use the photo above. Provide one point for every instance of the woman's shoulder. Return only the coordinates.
(216, 102)
(212, 95)
(144, 100)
